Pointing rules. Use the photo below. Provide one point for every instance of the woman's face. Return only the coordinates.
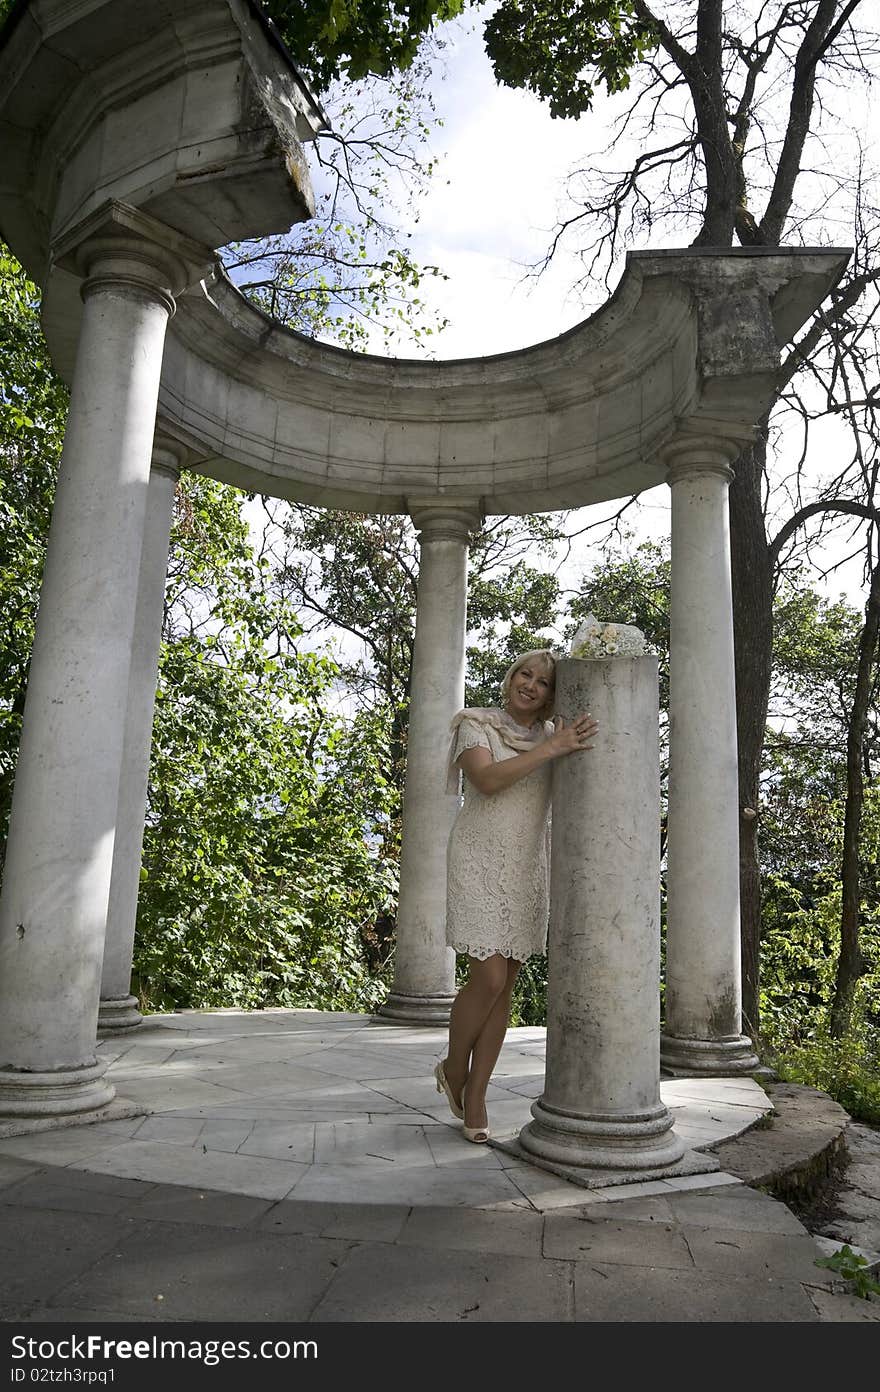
(531, 688)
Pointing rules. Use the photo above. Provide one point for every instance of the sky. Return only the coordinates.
(492, 205)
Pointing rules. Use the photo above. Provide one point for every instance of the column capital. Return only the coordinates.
(121, 247)
(168, 457)
(700, 454)
(441, 519)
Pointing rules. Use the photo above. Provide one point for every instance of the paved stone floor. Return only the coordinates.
(297, 1165)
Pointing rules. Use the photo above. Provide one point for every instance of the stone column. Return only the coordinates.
(600, 1119)
(703, 1033)
(424, 967)
(118, 1008)
(56, 885)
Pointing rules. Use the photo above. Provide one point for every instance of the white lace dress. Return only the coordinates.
(497, 886)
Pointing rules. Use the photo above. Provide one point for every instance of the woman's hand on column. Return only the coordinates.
(568, 739)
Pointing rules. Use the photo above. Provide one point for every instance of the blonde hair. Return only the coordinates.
(546, 658)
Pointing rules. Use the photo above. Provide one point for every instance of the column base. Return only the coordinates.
(417, 1010)
(60, 1093)
(638, 1141)
(691, 1163)
(708, 1058)
(118, 1013)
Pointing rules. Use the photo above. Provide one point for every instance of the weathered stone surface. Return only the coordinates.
(703, 1029)
(797, 1150)
(601, 1109)
(212, 147)
(605, 1294)
(389, 1284)
(857, 1200)
(579, 419)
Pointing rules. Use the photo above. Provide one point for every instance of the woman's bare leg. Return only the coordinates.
(487, 1047)
(471, 1011)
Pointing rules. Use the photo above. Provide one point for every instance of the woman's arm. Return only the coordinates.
(489, 776)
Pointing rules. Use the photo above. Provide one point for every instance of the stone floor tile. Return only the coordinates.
(605, 1294)
(13, 1169)
(701, 1181)
(463, 1230)
(66, 1145)
(419, 1092)
(727, 1120)
(41, 1251)
(737, 1208)
(387, 1284)
(544, 1190)
(178, 1203)
(224, 1135)
(737, 1252)
(170, 1128)
(159, 1092)
(283, 1079)
(371, 1144)
(642, 1189)
(835, 1307)
(698, 1137)
(365, 1065)
(143, 1054)
(449, 1147)
(527, 1087)
(401, 1184)
(250, 1276)
(281, 1140)
(714, 1089)
(653, 1209)
(355, 1222)
(516, 1065)
(202, 1169)
(597, 1234)
(53, 1189)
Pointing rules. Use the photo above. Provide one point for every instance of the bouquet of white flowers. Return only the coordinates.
(595, 639)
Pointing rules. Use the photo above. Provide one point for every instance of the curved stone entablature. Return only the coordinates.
(688, 345)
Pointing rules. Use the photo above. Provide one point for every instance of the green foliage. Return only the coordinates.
(329, 38)
(847, 1069)
(801, 828)
(261, 880)
(564, 49)
(33, 408)
(853, 1268)
(347, 275)
(529, 1004)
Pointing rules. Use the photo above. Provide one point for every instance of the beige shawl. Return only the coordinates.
(513, 735)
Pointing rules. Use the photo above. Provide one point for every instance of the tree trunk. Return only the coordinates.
(753, 644)
(850, 963)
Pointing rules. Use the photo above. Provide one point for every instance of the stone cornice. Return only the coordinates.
(588, 416)
(182, 107)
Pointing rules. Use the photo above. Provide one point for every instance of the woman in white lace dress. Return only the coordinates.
(498, 867)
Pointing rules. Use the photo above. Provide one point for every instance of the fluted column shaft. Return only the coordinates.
(56, 884)
(118, 1007)
(703, 973)
(424, 967)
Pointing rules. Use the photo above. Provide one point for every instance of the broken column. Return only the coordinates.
(601, 1111)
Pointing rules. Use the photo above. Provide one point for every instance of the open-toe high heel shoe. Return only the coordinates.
(479, 1135)
(443, 1086)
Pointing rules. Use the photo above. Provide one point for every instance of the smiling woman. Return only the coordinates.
(498, 867)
